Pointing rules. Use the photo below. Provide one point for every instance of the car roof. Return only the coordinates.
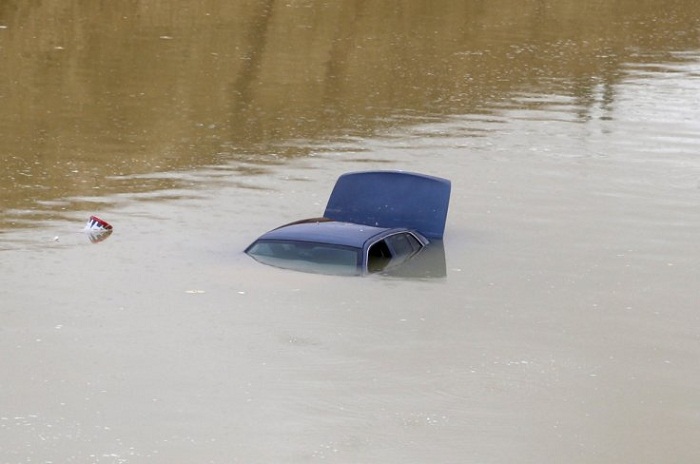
(330, 232)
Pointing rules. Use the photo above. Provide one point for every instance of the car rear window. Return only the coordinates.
(306, 256)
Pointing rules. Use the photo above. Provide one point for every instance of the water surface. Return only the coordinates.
(566, 328)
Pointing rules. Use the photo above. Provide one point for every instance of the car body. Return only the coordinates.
(334, 247)
(374, 221)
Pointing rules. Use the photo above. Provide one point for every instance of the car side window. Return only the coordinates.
(393, 249)
(378, 257)
(403, 244)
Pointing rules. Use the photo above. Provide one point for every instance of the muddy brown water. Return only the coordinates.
(566, 329)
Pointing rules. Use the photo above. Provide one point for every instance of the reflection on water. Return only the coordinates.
(430, 263)
(94, 94)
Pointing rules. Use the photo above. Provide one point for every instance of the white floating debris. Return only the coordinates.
(96, 224)
(194, 291)
(97, 229)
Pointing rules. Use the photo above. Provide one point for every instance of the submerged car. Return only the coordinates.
(374, 221)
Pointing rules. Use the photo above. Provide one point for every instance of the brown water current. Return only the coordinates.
(566, 329)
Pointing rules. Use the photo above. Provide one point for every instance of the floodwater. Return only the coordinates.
(566, 328)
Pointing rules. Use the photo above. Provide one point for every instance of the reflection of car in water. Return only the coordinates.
(375, 221)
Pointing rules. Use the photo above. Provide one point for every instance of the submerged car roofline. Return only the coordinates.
(362, 248)
(323, 230)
